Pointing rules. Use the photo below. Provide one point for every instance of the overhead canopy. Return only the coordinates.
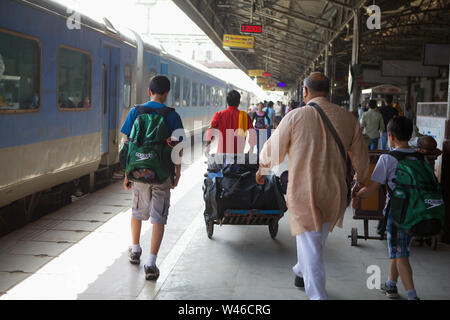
(295, 33)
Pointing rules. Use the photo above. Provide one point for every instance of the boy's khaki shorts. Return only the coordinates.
(151, 201)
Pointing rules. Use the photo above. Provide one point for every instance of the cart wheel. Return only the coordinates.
(354, 237)
(210, 229)
(434, 243)
(273, 229)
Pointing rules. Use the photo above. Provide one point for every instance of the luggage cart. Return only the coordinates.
(248, 217)
(239, 216)
(370, 208)
(357, 214)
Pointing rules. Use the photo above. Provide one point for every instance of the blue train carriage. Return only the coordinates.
(62, 92)
(65, 92)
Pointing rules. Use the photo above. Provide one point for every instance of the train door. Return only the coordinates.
(110, 84)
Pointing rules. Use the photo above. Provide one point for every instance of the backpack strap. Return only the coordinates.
(164, 111)
(402, 155)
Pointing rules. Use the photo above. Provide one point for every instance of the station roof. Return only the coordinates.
(295, 33)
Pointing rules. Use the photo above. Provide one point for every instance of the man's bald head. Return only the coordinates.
(317, 82)
(315, 85)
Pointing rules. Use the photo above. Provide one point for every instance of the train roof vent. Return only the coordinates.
(109, 26)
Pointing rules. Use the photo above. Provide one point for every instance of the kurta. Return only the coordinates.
(317, 191)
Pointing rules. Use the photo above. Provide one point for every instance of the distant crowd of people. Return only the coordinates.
(374, 120)
(274, 113)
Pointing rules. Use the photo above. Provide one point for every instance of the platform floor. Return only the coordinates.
(80, 252)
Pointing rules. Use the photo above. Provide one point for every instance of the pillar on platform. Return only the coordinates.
(445, 170)
(354, 95)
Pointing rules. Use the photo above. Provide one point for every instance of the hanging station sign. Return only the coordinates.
(262, 80)
(256, 73)
(250, 28)
(267, 88)
(238, 41)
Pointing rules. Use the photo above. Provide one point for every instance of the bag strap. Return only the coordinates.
(331, 128)
(402, 155)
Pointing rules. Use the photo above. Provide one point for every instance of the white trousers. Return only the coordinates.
(310, 262)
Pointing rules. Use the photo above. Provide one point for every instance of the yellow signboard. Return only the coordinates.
(262, 80)
(256, 73)
(267, 88)
(238, 41)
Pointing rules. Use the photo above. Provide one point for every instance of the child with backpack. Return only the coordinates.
(149, 170)
(414, 204)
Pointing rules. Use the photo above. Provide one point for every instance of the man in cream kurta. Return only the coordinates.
(317, 192)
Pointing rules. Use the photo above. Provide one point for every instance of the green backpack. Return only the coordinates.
(417, 206)
(146, 156)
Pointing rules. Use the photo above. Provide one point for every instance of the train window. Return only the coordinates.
(213, 96)
(221, 97)
(74, 79)
(20, 72)
(175, 91)
(224, 97)
(217, 102)
(127, 86)
(208, 96)
(186, 92)
(217, 97)
(164, 68)
(194, 94)
(202, 95)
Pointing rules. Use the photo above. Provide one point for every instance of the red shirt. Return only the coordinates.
(229, 141)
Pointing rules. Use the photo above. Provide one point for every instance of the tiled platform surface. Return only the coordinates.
(80, 252)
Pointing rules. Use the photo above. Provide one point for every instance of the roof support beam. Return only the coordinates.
(287, 30)
(282, 59)
(297, 34)
(280, 30)
(297, 16)
(341, 4)
(293, 46)
(291, 55)
(191, 10)
(341, 28)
